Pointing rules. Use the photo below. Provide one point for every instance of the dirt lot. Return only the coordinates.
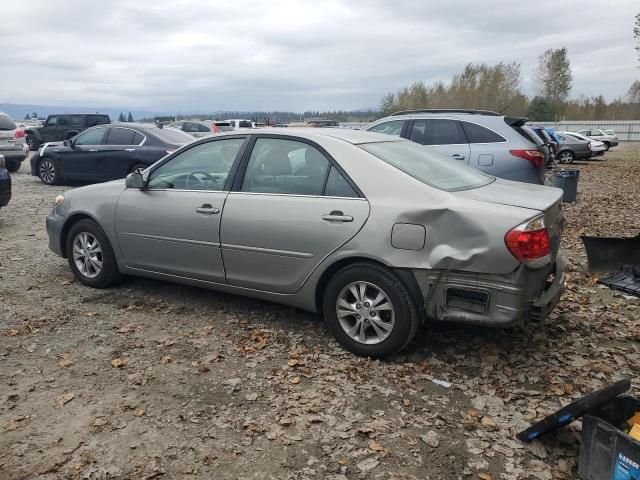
(155, 380)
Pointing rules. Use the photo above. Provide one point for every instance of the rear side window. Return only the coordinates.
(479, 134)
(6, 123)
(120, 136)
(203, 128)
(137, 138)
(190, 127)
(337, 185)
(389, 128)
(64, 121)
(437, 132)
(77, 121)
(244, 124)
(168, 135)
(428, 166)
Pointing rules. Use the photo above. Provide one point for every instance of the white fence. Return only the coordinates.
(626, 130)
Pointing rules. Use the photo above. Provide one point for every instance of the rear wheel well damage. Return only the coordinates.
(67, 226)
(405, 276)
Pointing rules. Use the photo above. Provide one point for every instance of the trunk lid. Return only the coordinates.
(546, 200)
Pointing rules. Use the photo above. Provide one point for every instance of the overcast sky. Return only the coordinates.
(293, 55)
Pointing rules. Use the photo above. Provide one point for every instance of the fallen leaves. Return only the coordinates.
(65, 398)
(65, 360)
(118, 363)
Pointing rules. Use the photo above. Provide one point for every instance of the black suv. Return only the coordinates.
(63, 127)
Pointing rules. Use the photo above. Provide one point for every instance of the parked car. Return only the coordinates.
(608, 137)
(597, 148)
(549, 143)
(106, 152)
(376, 233)
(201, 128)
(240, 123)
(5, 184)
(63, 127)
(12, 143)
(498, 145)
(572, 148)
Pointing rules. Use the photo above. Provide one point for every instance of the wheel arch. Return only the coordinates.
(405, 275)
(70, 222)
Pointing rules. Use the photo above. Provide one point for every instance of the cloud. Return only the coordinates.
(293, 55)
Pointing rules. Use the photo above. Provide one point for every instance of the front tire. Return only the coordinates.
(48, 171)
(607, 146)
(90, 255)
(370, 311)
(566, 157)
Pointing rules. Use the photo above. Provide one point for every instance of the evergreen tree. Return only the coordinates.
(130, 118)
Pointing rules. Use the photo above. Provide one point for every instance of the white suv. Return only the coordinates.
(12, 143)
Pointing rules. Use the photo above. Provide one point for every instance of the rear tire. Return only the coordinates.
(566, 157)
(32, 142)
(370, 311)
(91, 256)
(138, 167)
(49, 172)
(13, 166)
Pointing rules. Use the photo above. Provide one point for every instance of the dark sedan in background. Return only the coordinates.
(105, 152)
(5, 184)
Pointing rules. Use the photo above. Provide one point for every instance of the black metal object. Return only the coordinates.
(447, 110)
(573, 411)
(626, 280)
(610, 254)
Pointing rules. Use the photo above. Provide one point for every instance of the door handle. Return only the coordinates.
(93, 150)
(337, 216)
(457, 156)
(129, 149)
(207, 209)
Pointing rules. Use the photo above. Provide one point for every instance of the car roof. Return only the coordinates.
(354, 137)
(66, 113)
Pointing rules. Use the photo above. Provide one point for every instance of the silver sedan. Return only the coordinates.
(378, 234)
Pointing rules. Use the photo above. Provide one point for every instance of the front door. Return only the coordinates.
(80, 160)
(173, 225)
(292, 209)
(442, 134)
(50, 130)
(117, 153)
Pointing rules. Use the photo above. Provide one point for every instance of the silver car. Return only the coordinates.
(496, 144)
(12, 143)
(377, 234)
(608, 137)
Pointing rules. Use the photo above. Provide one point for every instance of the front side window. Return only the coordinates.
(77, 121)
(90, 137)
(93, 120)
(285, 166)
(479, 134)
(120, 136)
(389, 128)
(202, 167)
(190, 127)
(437, 132)
(52, 121)
(177, 125)
(428, 166)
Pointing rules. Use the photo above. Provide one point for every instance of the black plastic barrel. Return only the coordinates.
(567, 180)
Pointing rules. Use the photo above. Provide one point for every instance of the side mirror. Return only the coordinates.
(134, 180)
(68, 143)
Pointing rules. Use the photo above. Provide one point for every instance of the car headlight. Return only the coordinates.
(58, 201)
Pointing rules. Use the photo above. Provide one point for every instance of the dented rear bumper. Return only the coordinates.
(492, 300)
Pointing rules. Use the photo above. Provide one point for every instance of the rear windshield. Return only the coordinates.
(224, 128)
(609, 132)
(244, 124)
(6, 123)
(428, 166)
(172, 136)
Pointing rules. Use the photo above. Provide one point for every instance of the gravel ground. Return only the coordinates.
(155, 380)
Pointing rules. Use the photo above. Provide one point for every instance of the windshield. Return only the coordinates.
(428, 166)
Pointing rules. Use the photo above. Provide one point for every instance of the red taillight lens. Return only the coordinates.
(215, 128)
(530, 242)
(19, 133)
(533, 156)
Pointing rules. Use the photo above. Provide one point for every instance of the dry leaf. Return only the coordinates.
(484, 476)
(139, 412)
(117, 362)
(64, 398)
(100, 422)
(376, 446)
(12, 333)
(294, 380)
(65, 360)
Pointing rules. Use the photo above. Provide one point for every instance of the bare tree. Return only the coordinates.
(553, 75)
(636, 34)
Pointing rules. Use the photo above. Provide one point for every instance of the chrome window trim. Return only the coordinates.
(296, 195)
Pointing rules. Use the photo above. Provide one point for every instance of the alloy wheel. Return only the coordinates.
(87, 254)
(365, 313)
(47, 171)
(566, 157)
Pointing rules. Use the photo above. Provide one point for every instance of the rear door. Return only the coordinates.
(118, 153)
(443, 134)
(485, 145)
(290, 207)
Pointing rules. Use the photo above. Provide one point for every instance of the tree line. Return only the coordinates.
(498, 88)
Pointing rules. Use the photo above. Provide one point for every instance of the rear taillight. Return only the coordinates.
(215, 128)
(19, 133)
(530, 243)
(534, 156)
